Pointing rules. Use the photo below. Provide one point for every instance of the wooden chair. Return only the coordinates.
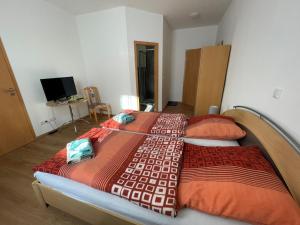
(94, 102)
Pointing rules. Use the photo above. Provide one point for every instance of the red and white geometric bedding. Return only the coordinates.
(169, 124)
(143, 169)
(151, 175)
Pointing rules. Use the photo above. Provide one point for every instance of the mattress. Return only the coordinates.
(114, 203)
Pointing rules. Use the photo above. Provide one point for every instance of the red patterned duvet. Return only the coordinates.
(142, 169)
(169, 124)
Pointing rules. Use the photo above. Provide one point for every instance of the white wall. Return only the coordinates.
(184, 39)
(144, 26)
(41, 41)
(103, 37)
(265, 55)
(107, 42)
(166, 75)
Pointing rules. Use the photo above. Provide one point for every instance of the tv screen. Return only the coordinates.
(57, 88)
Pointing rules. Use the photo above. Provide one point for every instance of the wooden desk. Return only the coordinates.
(69, 104)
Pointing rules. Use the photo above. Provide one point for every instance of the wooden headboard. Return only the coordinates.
(282, 153)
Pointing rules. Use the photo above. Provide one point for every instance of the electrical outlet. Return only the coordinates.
(277, 93)
(43, 122)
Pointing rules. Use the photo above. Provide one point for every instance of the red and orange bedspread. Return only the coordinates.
(236, 182)
(143, 169)
(169, 124)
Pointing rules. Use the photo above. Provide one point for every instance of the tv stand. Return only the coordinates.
(69, 103)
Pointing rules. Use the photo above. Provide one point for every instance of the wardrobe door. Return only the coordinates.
(192, 61)
(211, 80)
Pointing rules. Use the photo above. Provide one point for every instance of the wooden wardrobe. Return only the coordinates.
(204, 77)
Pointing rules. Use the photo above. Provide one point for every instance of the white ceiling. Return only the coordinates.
(177, 12)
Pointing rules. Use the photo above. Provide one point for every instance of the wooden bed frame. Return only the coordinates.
(282, 153)
(82, 210)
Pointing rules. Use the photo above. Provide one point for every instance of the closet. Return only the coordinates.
(204, 77)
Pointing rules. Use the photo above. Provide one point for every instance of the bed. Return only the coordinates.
(78, 200)
(121, 207)
(170, 124)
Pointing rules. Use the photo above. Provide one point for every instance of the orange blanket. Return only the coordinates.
(142, 169)
(235, 182)
(169, 124)
(143, 122)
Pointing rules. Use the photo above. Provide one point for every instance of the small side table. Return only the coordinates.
(69, 104)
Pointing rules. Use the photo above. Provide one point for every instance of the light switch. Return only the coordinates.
(277, 93)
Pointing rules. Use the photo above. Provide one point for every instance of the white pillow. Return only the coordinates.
(208, 142)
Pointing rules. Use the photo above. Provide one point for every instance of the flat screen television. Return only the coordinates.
(58, 88)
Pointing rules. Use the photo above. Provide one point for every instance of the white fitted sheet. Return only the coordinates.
(114, 203)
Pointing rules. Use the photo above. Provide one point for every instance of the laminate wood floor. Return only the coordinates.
(18, 205)
(180, 108)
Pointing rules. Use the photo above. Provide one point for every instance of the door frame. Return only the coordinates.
(17, 90)
(156, 47)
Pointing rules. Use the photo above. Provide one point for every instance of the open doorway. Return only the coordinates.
(146, 67)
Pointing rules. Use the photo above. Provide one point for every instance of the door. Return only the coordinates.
(15, 127)
(191, 71)
(212, 75)
(146, 70)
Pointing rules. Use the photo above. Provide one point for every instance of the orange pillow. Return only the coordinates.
(217, 128)
(235, 182)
